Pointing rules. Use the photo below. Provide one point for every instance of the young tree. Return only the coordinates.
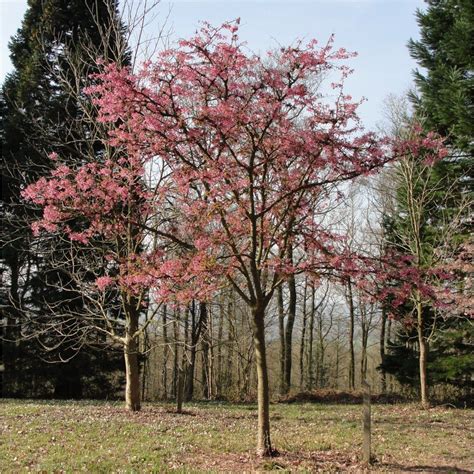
(254, 153)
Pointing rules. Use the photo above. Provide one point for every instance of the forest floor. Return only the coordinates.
(215, 437)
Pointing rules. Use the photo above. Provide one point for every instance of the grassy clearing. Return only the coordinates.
(103, 437)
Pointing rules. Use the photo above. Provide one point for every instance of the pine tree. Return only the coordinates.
(445, 89)
(443, 101)
(40, 112)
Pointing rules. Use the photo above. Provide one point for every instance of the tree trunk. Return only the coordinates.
(281, 328)
(189, 389)
(174, 388)
(389, 337)
(350, 299)
(365, 329)
(10, 343)
(146, 364)
(289, 333)
(132, 370)
(166, 351)
(206, 343)
(423, 357)
(220, 342)
(383, 373)
(264, 447)
(229, 370)
(310, 382)
(303, 335)
(180, 391)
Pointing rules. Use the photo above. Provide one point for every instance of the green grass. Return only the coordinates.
(103, 437)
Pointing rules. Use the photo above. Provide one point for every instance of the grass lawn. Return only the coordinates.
(103, 437)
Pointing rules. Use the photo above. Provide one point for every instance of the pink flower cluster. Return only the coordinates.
(249, 152)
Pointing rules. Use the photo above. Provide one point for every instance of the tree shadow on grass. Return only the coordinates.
(424, 468)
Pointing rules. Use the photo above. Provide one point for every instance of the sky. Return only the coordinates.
(377, 29)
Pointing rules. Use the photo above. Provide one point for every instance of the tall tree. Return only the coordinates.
(253, 157)
(445, 87)
(443, 101)
(41, 112)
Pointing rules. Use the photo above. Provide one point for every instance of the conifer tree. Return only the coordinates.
(443, 101)
(53, 54)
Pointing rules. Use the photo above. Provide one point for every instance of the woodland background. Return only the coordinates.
(320, 335)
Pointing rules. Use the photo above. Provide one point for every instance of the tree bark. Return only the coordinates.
(220, 342)
(281, 328)
(11, 342)
(310, 382)
(264, 447)
(423, 357)
(189, 389)
(350, 299)
(289, 333)
(132, 369)
(365, 329)
(180, 391)
(166, 351)
(303, 336)
(206, 343)
(383, 373)
(174, 388)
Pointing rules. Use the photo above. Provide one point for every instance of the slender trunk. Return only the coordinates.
(220, 342)
(289, 333)
(176, 353)
(303, 334)
(320, 353)
(146, 364)
(189, 392)
(322, 370)
(189, 389)
(389, 337)
(229, 379)
(264, 447)
(11, 342)
(310, 383)
(423, 357)
(338, 355)
(210, 366)
(205, 349)
(350, 300)
(383, 373)
(363, 362)
(180, 391)
(132, 369)
(365, 326)
(182, 368)
(281, 328)
(166, 350)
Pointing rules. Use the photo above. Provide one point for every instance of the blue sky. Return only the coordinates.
(377, 29)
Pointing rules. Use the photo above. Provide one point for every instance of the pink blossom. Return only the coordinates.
(103, 282)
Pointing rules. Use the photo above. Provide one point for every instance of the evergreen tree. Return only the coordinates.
(41, 112)
(445, 89)
(443, 101)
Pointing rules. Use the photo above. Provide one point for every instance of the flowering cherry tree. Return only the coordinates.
(253, 154)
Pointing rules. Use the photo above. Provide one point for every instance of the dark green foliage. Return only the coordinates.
(55, 48)
(444, 102)
(445, 86)
(450, 360)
